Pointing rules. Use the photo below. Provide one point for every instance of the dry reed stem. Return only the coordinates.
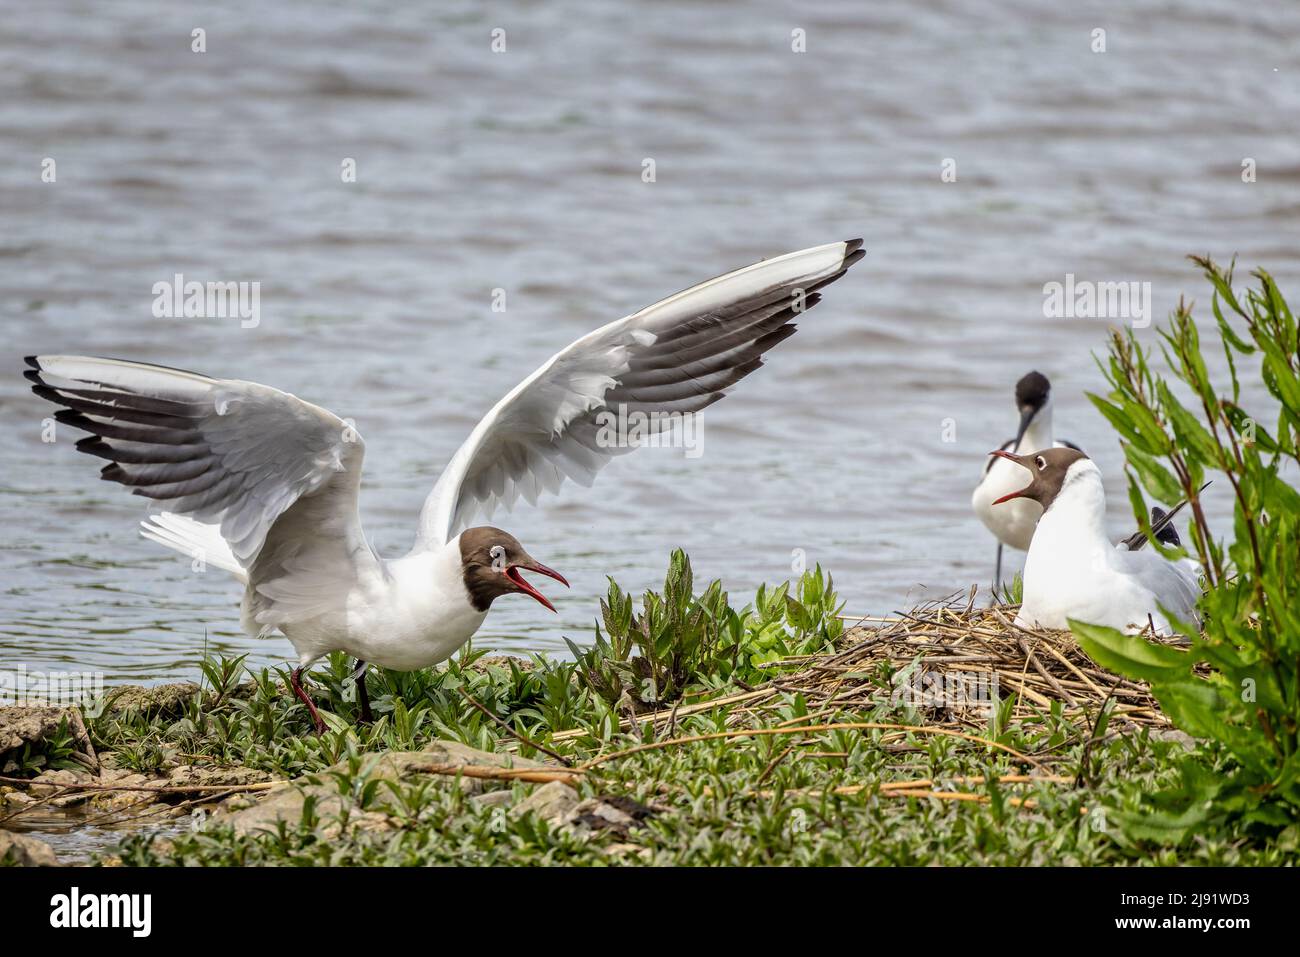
(808, 729)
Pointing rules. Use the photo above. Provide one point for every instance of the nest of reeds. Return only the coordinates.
(953, 661)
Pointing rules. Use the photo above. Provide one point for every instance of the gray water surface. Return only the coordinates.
(522, 171)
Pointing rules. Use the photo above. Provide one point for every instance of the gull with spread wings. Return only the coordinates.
(264, 485)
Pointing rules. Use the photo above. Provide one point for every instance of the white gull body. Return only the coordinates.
(264, 485)
(1073, 570)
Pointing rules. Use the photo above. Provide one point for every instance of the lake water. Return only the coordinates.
(522, 171)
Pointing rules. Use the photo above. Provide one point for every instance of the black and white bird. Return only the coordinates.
(1073, 570)
(1013, 525)
(265, 485)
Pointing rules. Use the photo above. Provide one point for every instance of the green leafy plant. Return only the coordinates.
(57, 751)
(222, 674)
(780, 625)
(1012, 592)
(681, 638)
(1239, 683)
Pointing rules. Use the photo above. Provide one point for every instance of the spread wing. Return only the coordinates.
(231, 463)
(676, 356)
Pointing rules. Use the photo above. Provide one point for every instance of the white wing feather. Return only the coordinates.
(200, 541)
(675, 356)
(253, 480)
(1175, 585)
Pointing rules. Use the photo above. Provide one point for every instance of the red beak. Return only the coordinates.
(1010, 458)
(513, 572)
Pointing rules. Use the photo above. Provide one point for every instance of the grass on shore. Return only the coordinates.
(831, 752)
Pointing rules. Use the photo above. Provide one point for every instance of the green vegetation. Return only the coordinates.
(679, 638)
(1239, 684)
(57, 752)
(1013, 592)
(727, 783)
(679, 644)
(742, 802)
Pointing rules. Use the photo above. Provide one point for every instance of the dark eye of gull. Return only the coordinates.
(1041, 462)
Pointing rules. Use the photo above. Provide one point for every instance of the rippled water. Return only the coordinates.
(522, 171)
(76, 838)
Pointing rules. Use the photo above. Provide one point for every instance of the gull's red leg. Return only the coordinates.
(295, 682)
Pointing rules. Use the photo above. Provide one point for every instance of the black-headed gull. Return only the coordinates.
(264, 485)
(1013, 524)
(1073, 570)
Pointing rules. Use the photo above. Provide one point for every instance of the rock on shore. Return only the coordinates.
(25, 851)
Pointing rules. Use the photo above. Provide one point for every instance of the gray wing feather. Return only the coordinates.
(224, 452)
(675, 357)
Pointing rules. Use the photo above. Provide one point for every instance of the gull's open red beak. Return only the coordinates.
(1011, 458)
(514, 573)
